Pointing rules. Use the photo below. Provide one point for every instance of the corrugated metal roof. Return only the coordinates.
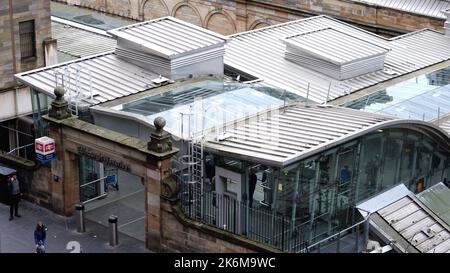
(284, 136)
(420, 227)
(437, 199)
(334, 46)
(109, 76)
(79, 42)
(430, 8)
(168, 37)
(261, 53)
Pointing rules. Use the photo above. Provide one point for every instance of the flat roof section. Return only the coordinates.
(169, 37)
(409, 219)
(193, 108)
(334, 46)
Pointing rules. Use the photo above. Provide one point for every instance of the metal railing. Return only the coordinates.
(337, 237)
(261, 224)
(92, 183)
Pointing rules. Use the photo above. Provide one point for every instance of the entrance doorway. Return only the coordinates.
(106, 190)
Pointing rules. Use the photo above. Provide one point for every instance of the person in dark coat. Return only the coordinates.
(40, 235)
(14, 196)
(252, 185)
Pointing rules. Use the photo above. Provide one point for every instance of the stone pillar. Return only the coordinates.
(64, 185)
(157, 182)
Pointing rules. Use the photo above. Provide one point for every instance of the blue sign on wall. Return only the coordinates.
(45, 158)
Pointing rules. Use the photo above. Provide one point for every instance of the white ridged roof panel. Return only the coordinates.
(261, 53)
(283, 136)
(430, 8)
(280, 137)
(334, 46)
(78, 42)
(109, 76)
(168, 36)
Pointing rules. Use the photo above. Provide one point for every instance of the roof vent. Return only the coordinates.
(171, 47)
(447, 22)
(334, 53)
(160, 80)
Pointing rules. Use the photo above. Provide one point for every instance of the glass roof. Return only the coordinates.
(418, 98)
(192, 108)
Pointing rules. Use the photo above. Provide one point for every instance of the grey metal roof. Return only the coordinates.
(261, 53)
(437, 199)
(416, 224)
(281, 137)
(430, 8)
(334, 46)
(168, 37)
(80, 41)
(286, 135)
(109, 76)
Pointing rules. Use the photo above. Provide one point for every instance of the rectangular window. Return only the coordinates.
(231, 186)
(27, 39)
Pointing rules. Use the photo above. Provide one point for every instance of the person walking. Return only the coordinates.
(40, 237)
(14, 196)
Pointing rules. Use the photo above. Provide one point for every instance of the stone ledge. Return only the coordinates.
(221, 234)
(113, 136)
(17, 161)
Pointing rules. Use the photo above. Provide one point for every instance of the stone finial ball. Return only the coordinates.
(159, 123)
(59, 91)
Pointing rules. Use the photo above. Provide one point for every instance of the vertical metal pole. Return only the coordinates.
(282, 232)
(80, 218)
(328, 93)
(357, 238)
(307, 96)
(113, 231)
(190, 198)
(366, 231)
(439, 114)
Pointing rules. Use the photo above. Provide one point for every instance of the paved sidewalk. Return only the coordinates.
(17, 236)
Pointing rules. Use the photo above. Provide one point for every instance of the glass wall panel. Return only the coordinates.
(370, 164)
(408, 158)
(391, 160)
(345, 174)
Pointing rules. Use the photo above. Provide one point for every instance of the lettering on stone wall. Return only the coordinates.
(103, 158)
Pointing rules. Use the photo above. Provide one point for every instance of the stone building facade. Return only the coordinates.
(228, 17)
(14, 16)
